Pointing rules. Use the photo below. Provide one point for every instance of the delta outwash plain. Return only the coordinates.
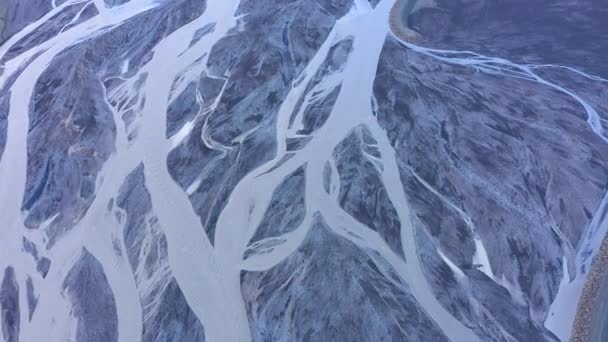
(303, 170)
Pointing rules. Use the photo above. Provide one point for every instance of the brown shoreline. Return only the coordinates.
(590, 294)
(396, 23)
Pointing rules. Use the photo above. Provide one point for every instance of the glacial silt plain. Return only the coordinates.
(303, 170)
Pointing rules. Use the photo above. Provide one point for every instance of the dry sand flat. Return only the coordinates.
(590, 316)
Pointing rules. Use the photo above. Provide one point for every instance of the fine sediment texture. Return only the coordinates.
(328, 170)
(533, 287)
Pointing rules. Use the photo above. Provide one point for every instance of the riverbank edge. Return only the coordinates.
(397, 25)
(590, 293)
